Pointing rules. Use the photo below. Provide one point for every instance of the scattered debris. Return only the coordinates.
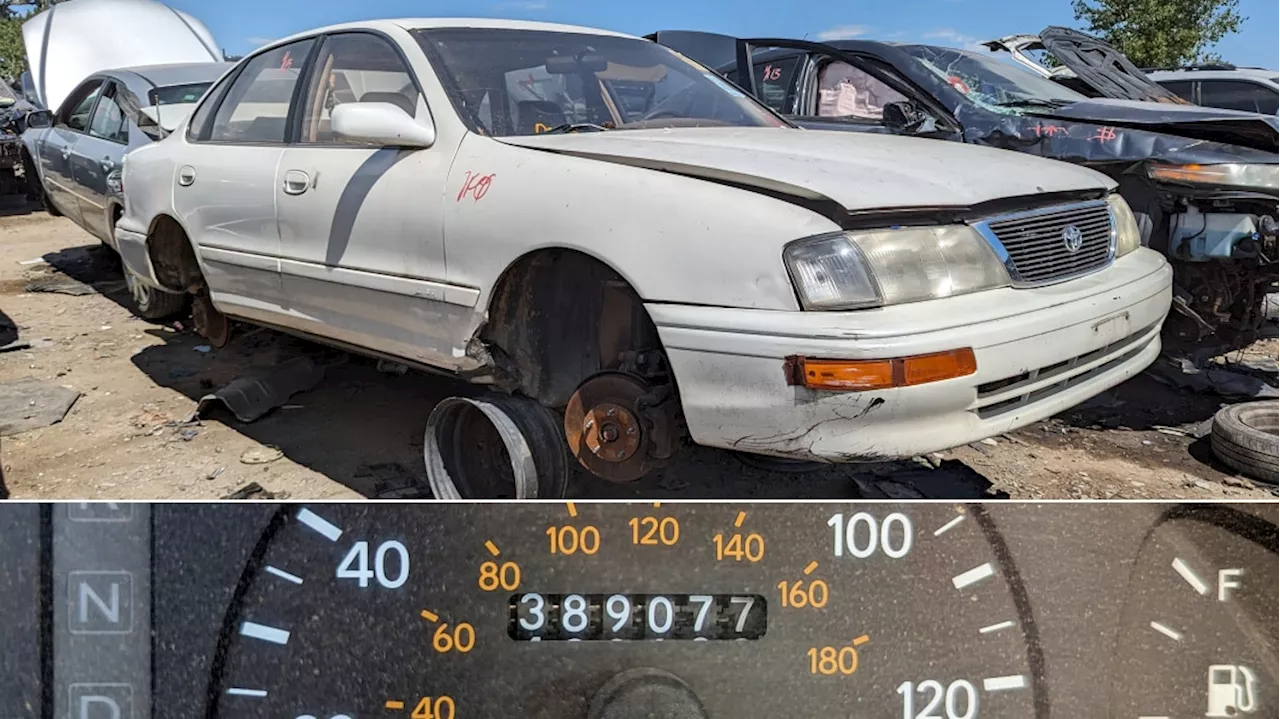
(15, 346)
(990, 442)
(1184, 373)
(250, 397)
(33, 261)
(391, 481)
(253, 490)
(214, 474)
(261, 455)
(61, 284)
(188, 433)
(203, 349)
(389, 367)
(29, 403)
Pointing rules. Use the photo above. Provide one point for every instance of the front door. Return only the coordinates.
(69, 125)
(225, 191)
(95, 156)
(361, 243)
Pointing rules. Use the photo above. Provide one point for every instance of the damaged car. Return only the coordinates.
(1202, 182)
(74, 152)
(631, 253)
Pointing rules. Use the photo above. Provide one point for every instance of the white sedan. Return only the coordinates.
(634, 252)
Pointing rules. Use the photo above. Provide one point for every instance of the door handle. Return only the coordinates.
(296, 182)
(66, 152)
(108, 164)
(186, 175)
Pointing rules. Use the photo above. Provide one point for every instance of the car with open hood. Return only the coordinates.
(1202, 181)
(108, 97)
(635, 251)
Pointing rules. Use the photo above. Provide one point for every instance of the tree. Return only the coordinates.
(1161, 33)
(13, 55)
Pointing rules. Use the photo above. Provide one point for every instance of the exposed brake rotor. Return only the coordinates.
(619, 426)
(210, 323)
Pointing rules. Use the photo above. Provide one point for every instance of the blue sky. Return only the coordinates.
(241, 25)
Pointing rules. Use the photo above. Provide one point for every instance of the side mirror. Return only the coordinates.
(380, 123)
(39, 119)
(903, 117)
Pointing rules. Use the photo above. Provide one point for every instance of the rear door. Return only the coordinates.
(69, 125)
(224, 192)
(95, 156)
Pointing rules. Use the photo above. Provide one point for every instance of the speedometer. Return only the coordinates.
(608, 610)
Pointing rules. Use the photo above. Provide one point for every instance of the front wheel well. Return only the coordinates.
(559, 316)
(172, 256)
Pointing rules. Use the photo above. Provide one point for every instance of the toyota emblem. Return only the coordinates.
(1072, 238)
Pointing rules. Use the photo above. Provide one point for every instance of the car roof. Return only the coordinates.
(178, 73)
(1219, 74)
(451, 22)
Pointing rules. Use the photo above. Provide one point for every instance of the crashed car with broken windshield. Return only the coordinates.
(631, 253)
(1202, 182)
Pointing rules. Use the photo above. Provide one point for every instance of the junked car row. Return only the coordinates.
(631, 252)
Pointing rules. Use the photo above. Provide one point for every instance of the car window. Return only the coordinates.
(775, 82)
(1184, 89)
(177, 94)
(256, 107)
(75, 113)
(532, 81)
(1238, 95)
(993, 84)
(109, 122)
(846, 91)
(354, 67)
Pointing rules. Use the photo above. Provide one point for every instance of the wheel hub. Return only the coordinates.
(613, 427)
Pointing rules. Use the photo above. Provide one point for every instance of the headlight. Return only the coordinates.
(1128, 236)
(849, 270)
(1253, 177)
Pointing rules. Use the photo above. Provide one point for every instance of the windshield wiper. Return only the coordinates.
(575, 127)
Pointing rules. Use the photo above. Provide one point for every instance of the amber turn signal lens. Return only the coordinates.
(858, 376)
(936, 367)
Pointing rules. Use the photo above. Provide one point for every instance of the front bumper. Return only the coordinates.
(1039, 352)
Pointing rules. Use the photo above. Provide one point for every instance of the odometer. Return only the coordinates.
(611, 610)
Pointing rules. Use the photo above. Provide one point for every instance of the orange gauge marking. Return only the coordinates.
(573, 509)
(809, 569)
(742, 516)
(861, 640)
(391, 704)
(493, 548)
(429, 615)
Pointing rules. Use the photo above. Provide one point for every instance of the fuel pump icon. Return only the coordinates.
(1231, 690)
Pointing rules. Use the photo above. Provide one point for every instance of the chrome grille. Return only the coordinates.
(1036, 246)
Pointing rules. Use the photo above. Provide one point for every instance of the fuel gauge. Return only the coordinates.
(1198, 634)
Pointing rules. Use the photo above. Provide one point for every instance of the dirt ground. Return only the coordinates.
(359, 432)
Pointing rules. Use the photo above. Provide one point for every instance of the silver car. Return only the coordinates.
(76, 151)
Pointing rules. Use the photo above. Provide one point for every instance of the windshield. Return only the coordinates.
(177, 94)
(995, 85)
(526, 82)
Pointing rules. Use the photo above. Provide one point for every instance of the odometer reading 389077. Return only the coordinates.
(617, 611)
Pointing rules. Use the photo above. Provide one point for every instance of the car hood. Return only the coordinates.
(1103, 68)
(1230, 127)
(860, 172)
(73, 40)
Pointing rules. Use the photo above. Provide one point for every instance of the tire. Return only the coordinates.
(1246, 437)
(495, 447)
(150, 303)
